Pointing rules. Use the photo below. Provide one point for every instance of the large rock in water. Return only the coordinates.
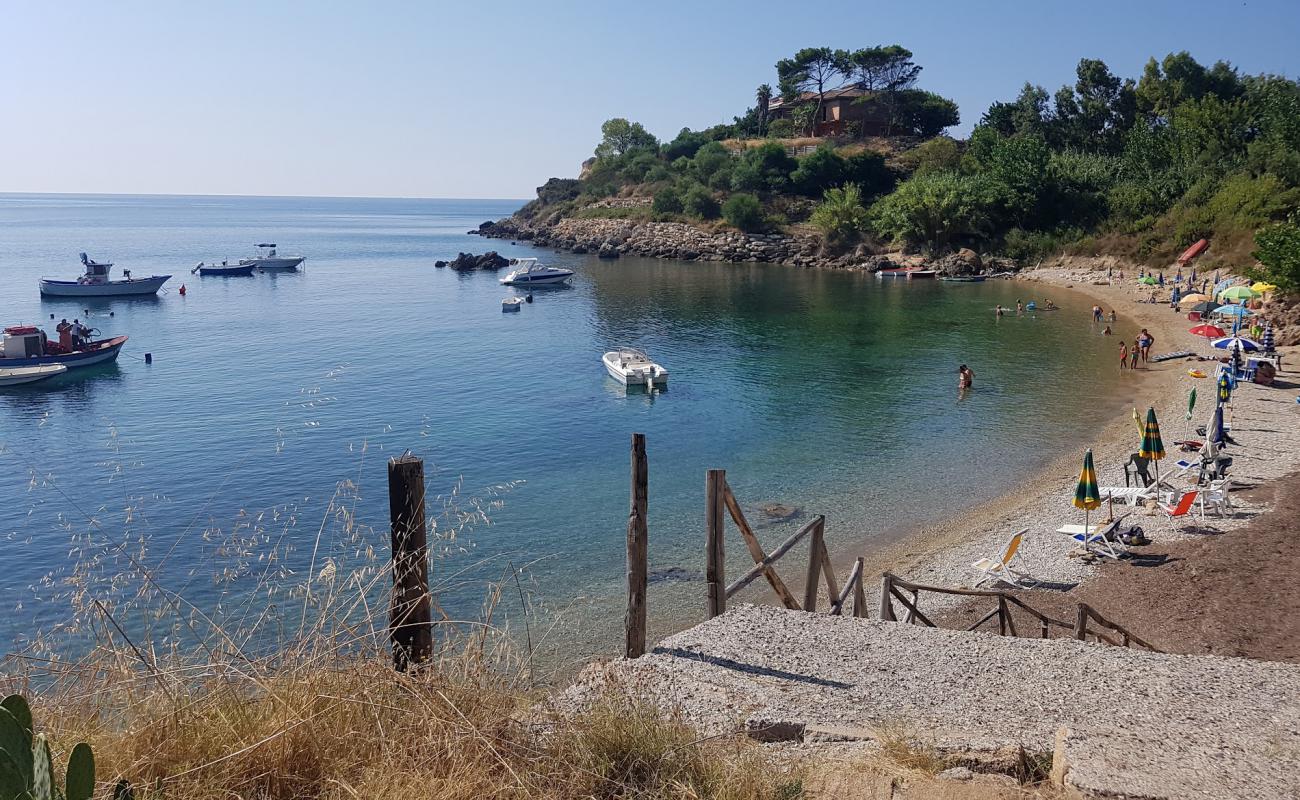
(465, 262)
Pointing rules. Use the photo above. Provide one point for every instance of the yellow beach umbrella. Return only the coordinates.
(1263, 288)
(1086, 494)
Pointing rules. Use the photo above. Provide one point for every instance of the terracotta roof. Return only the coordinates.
(832, 94)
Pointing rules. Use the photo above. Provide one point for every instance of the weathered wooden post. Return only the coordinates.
(715, 483)
(1081, 623)
(886, 598)
(410, 619)
(814, 568)
(638, 536)
(860, 593)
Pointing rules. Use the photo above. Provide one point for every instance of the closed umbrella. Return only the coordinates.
(1267, 342)
(1214, 433)
(1191, 402)
(1086, 494)
(1224, 386)
(1238, 293)
(1152, 447)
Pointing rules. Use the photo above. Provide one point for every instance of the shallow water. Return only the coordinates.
(833, 392)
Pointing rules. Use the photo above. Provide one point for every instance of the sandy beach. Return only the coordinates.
(1265, 420)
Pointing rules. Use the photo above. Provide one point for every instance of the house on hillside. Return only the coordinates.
(841, 107)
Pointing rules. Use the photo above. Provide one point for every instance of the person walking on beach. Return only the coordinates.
(1123, 354)
(965, 377)
(1134, 353)
(1147, 340)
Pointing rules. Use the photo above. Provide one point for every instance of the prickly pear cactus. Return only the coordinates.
(26, 765)
(42, 771)
(80, 782)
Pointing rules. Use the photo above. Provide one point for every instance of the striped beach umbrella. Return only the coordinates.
(1224, 386)
(1214, 433)
(1086, 494)
(1267, 338)
(1152, 447)
(1235, 343)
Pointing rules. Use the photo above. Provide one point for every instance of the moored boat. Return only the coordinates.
(633, 367)
(268, 260)
(27, 346)
(531, 272)
(921, 274)
(96, 283)
(21, 375)
(963, 278)
(511, 303)
(224, 270)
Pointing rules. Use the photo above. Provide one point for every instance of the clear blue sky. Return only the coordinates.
(488, 99)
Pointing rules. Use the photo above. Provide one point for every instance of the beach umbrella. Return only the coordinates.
(1236, 343)
(1148, 280)
(1191, 402)
(1234, 311)
(1263, 288)
(1267, 342)
(1152, 447)
(1238, 293)
(1208, 331)
(1086, 494)
(1224, 385)
(1195, 297)
(1214, 433)
(1204, 307)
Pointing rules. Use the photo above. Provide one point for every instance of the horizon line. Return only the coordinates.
(265, 196)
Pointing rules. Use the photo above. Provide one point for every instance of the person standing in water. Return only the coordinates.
(965, 377)
(998, 311)
(1123, 354)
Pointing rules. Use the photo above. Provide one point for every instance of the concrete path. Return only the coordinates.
(1142, 725)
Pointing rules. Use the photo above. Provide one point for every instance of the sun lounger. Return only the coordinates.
(1000, 569)
(1131, 495)
(1095, 540)
(1184, 506)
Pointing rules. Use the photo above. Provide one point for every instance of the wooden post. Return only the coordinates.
(814, 567)
(715, 483)
(860, 593)
(886, 598)
(638, 536)
(410, 619)
(1081, 623)
(1002, 615)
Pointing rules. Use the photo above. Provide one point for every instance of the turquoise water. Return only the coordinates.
(214, 468)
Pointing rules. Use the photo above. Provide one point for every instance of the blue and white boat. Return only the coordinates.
(96, 283)
(27, 346)
(531, 272)
(224, 269)
(268, 260)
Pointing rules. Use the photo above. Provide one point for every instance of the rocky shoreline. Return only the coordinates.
(612, 238)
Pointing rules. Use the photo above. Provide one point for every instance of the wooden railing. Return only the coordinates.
(721, 502)
(893, 589)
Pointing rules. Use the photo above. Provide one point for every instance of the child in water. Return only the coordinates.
(1133, 354)
(1123, 355)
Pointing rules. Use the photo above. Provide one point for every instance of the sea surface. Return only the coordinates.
(242, 473)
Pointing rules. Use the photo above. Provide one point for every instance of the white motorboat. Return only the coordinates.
(511, 303)
(268, 260)
(95, 283)
(20, 375)
(531, 272)
(633, 367)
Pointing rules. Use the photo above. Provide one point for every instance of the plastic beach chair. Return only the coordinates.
(1216, 495)
(1131, 495)
(1184, 506)
(1096, 540)
(1001, 569)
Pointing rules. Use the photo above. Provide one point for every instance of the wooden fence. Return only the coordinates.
(721, 502)
(894, 588)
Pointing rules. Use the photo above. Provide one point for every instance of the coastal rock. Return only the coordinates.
(607, 250)
(778, 512)
(466, 262)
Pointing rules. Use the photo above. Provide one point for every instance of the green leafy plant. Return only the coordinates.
(1277, 249)
(26, 765)
(743, 211)
(841, 217)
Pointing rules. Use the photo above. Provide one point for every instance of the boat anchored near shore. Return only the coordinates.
(28, 346)
(632, 367)
(96, 283)
(531, 272)
(268, 260)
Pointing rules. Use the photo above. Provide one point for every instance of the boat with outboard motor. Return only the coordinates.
(28, 346)
(96, 283)
(22, 375)
(633, 367)
(267, 260)
(531, 272)
(223, 270)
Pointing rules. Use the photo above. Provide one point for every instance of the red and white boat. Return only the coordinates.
(28, 346)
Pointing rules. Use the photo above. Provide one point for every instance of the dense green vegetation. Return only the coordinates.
(1140, 168)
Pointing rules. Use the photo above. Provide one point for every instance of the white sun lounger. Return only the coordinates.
(1095, 540)
(1132, 495)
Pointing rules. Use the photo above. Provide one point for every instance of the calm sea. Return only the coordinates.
(251, 453)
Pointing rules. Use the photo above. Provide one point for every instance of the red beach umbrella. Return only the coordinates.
(1209, 331)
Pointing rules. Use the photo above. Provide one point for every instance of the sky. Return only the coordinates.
(489, 99)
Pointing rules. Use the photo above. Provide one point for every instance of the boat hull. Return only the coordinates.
(23, 375)
(275, 264)
(227, 272)
(633, 377)
(549, 280)
(101, 352)
(132, 287)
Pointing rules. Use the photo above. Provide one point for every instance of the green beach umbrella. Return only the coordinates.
(1238, 293)
(1152, 447)
(1148, 280)
(1086, 494)
(1191, 402)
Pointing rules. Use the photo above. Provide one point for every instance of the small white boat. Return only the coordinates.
(269, 261)
(531, 272)
(20, 375)
(511, 303)
(633, 367)
(95, 283)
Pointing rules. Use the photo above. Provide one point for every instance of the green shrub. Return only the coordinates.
(939, 154)
(938, 209)
(840, 216)
(818, 171)
(1277, 248)
(781, 129)
(699, 202)
(667, 201)
(743, 211)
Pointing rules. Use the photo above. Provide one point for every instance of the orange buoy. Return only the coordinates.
(182, 290)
